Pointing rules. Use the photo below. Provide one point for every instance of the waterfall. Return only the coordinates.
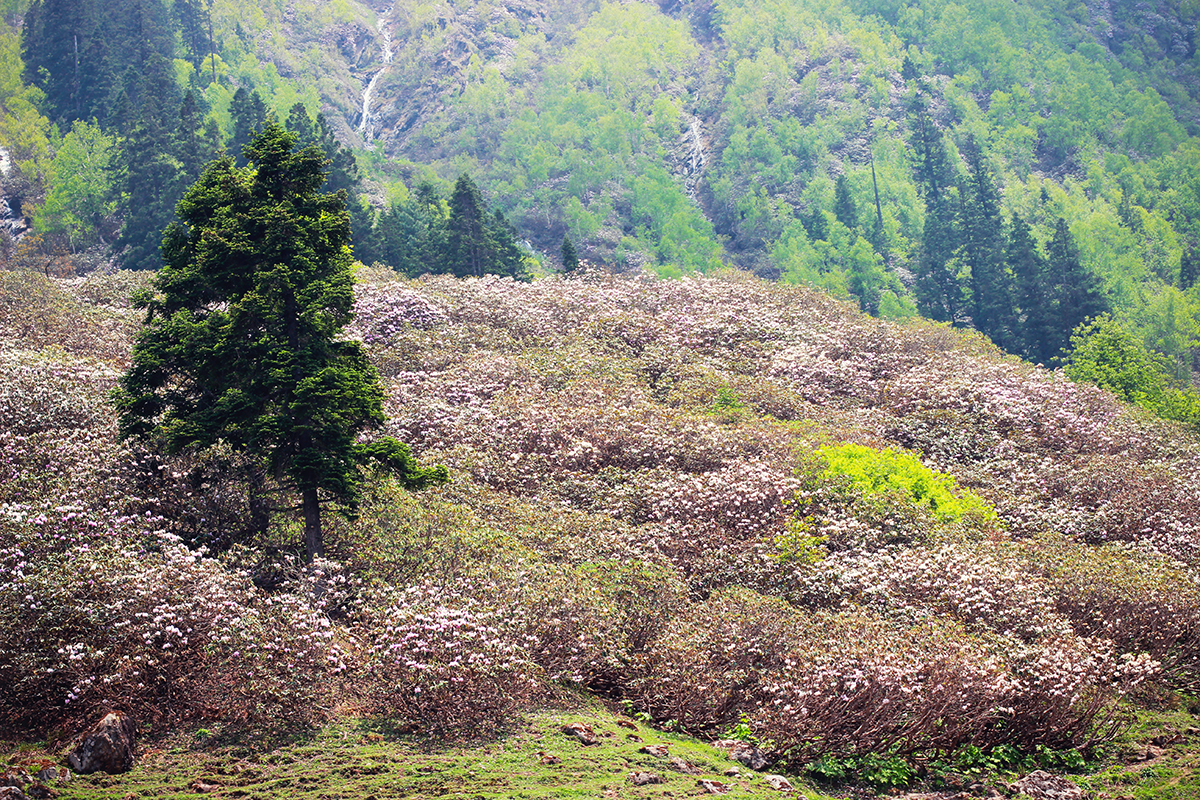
(365, 125)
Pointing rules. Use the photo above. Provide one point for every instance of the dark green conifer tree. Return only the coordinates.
(301, 124)
(153, 182)
(1189, 268)
(364, 236)
(815, 224)
(938, 291)
(191, 19)
(242, 343)
(844, 207)
(469, 247)
(56, 38)
(983, 250)
(197, 138)
(341, 163)
(570, 257)
(1079, 295)
(507, 256)
(249, 114)
(1033, 291)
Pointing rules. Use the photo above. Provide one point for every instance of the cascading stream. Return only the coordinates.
(366, 126)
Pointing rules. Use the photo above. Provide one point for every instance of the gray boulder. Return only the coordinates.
(108, 747)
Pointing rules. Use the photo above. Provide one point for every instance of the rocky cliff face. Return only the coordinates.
(435, 46)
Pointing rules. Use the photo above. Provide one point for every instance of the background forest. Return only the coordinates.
(1018, 167)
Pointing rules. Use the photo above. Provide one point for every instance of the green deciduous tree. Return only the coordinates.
(241, 344)
(1106, 354)
(79, 201)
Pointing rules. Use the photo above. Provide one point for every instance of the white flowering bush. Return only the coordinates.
(154, 629)
(854, 682)
(439, 659)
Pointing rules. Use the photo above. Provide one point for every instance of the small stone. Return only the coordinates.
(744, 752)
(778, 783)
(581, 732)
(633, 737)
(203, 788)
(1167, 737)
(624, 723)
(644, 778)
(656, 750)
(1042, 785)
(108, 747)
(679, 765)
(729, 773)
(713, 787)
(15, 776)
(48, 775)
(1192, 730)
(12, 793)
(548, 758)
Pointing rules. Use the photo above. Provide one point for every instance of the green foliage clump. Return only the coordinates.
(1106, 354)
(888, 473)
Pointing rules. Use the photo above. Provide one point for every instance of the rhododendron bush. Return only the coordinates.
(717, 499)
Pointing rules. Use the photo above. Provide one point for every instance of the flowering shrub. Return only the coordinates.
(1142, 603)
(854, 682)
(158, 631)
(681, 493)
(436, 658)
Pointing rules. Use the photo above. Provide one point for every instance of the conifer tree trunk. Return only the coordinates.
(313, 546)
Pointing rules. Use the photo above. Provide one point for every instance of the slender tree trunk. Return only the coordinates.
(313, 546)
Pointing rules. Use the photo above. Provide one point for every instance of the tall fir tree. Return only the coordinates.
(844, 207)
(153, 182)
(1079, 294)
(469, 247)
(569, 255)
(192, 21)
(242, 345)
(938, 291)
(992, 286)
(198, 140)
(1189, 267)
(249, 115)
(1033, 291)
(56, 39)
(507, 259)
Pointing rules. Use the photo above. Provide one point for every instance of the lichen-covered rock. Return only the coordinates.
(1042, 785)
(108, 747)
(644, 778)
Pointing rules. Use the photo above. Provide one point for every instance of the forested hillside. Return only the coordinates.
(1015, 166)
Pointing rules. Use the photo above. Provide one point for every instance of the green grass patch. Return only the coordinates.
(362, 759)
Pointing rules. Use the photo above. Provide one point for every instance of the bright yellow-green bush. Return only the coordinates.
(890, 473)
